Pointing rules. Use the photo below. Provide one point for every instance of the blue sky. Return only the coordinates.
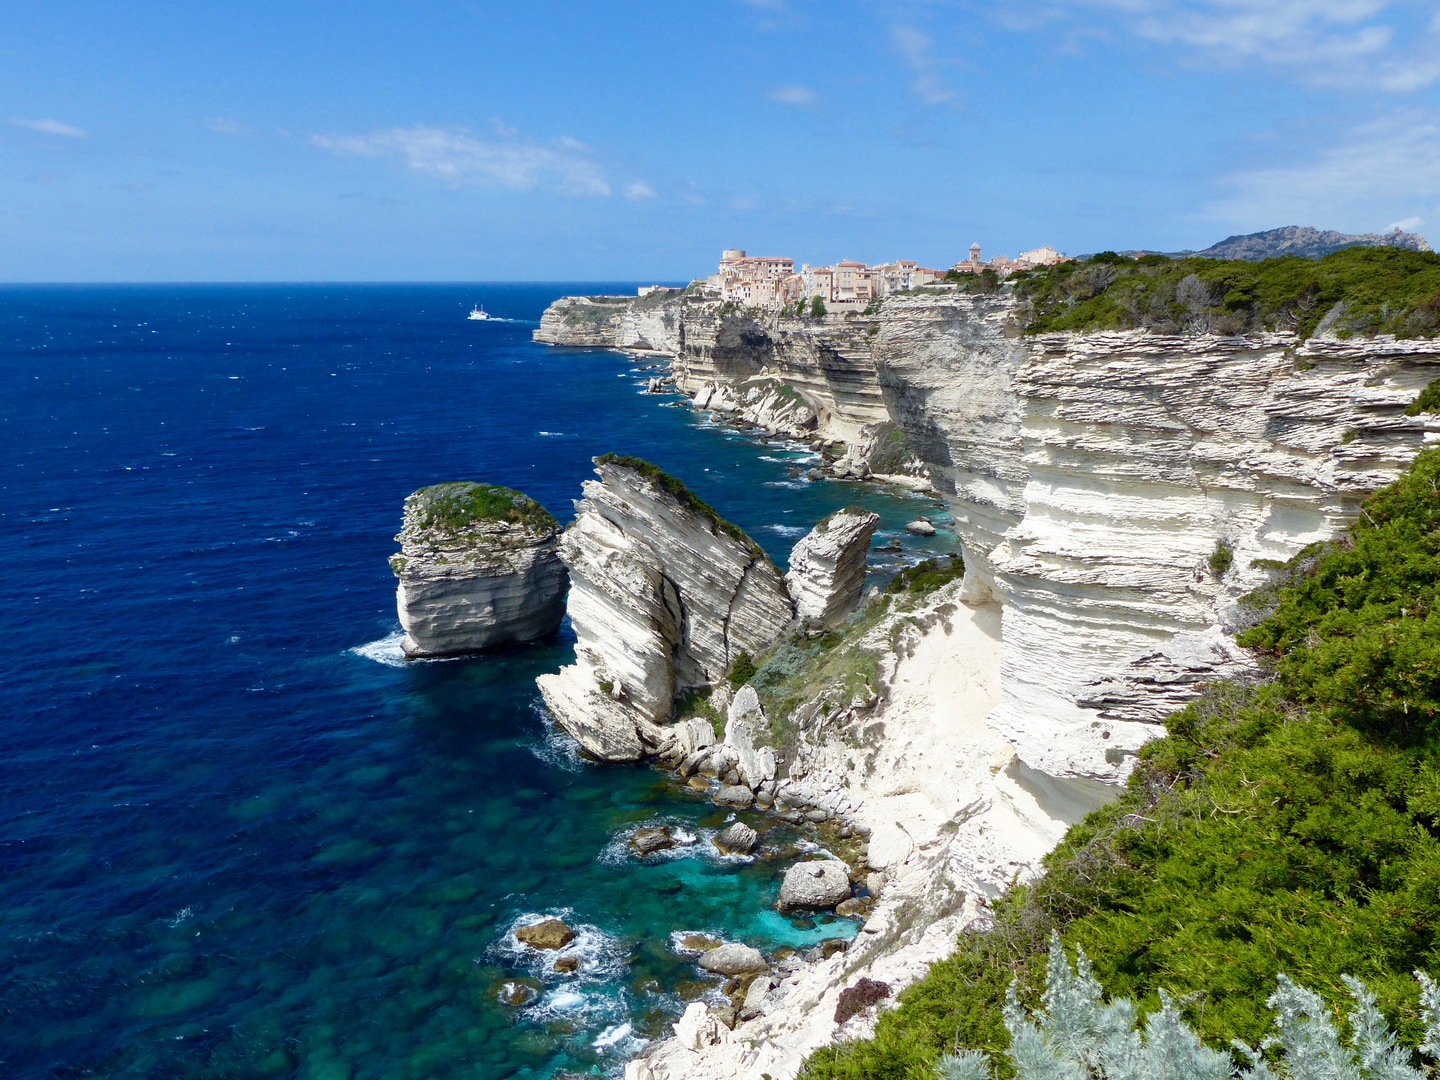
(548, 140)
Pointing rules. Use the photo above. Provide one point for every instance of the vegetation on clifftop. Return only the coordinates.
(1359, 290)
(454, 506)
(1287, 827)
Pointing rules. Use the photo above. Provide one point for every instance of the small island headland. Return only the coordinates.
(478, 568)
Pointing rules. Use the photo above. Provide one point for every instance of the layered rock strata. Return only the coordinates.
(1091, 476)
(664, 595)
(479, 566)
(827, 566)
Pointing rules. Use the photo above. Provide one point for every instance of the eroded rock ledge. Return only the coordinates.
(665, 594)
(479, 567)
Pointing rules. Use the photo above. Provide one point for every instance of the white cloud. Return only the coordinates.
(637, 190)
(1385, 169)
(1374, 44)
(1409, 224)
(914, 46)
(52, 127)
(799, 96)
(459, 157)
(226, 126)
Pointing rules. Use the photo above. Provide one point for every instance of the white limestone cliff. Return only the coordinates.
(1090, 476)
(664, 595)
(478, 567)
(827, 566)
(1095, 482)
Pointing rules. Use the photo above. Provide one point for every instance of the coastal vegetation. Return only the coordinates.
(1358, 290)
(454, 506)
(1077, 1033)
(1284, 826)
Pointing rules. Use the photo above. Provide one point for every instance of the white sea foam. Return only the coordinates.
(602, 958)
(612, 1035)
(619, 851)
(787, 530)
(792, 485)
(555, 747)
(550, 434)
(384, 651)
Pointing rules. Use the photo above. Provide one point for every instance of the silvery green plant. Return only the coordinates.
(1076, 1035)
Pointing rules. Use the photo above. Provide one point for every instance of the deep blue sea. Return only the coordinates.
(239, 837)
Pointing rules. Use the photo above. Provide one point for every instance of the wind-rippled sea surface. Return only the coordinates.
(238, 836)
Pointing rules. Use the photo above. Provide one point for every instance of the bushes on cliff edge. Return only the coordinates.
(1291, 826)
(455, 505)
(1360, 290)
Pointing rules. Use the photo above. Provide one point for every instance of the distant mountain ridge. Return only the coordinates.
(1303, 240)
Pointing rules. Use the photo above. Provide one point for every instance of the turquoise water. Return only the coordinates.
(243, 840)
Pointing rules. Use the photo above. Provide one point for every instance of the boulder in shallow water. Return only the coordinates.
(479, 566)
(733, 959)
(738, 839)
(827, 566)
(920, 527)
(815, 886)
(549, 934)
(651, 839)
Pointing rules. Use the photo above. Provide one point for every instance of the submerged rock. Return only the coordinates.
(664, 595)
(733, 959)
(815, 886)
(549, 934)
(827, 566)
(479, 566)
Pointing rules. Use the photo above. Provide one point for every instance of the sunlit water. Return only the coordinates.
(240, 836)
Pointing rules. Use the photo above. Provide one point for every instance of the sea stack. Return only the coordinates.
(665, 596)
(478, 567)
(827, 566)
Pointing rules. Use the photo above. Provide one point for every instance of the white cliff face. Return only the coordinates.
(827, 566)
(664, 596)
(1091, 476)
(470, 582)
(1113, 466)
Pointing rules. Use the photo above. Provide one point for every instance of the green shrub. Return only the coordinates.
(1221, 558)
(926, 577)
(1428, 401)
(817, 308)
(1079, 1034)
(742, 669)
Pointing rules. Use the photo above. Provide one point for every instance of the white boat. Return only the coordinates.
(478, 313)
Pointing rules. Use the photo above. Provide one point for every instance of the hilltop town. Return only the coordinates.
(773, 283)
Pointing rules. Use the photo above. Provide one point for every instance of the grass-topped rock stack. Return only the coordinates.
(666, 595)
(478, 567)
